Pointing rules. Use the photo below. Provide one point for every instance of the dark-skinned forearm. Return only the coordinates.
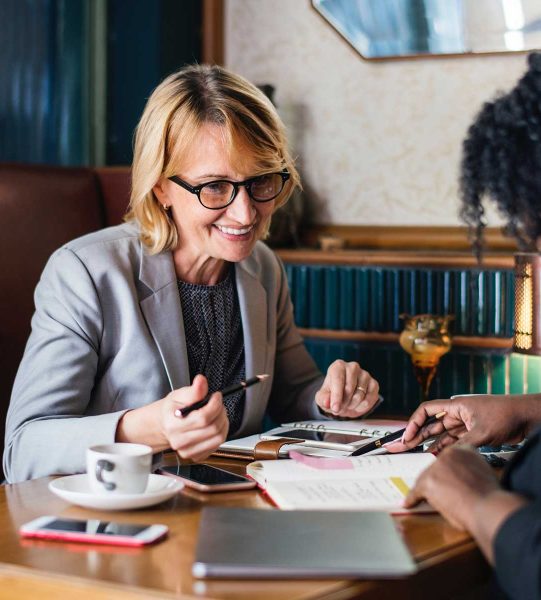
(488, 514)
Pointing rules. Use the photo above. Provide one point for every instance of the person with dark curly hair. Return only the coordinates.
(502, 161)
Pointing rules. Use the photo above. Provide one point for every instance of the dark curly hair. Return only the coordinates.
(502, 160)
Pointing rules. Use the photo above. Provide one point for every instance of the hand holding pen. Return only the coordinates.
(232, 389)
(421, 427)
(396, 435)
(195, 437)
(477, 420)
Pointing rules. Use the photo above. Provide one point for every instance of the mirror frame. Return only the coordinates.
(532, 30)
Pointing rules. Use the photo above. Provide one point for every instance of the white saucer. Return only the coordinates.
(75, 489)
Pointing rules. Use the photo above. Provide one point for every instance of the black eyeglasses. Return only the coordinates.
(221, 192)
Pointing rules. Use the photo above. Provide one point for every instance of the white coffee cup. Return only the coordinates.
(119, 468)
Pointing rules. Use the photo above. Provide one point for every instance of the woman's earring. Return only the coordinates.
(165, 207)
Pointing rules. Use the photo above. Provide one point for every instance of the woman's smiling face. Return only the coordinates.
(228, 234)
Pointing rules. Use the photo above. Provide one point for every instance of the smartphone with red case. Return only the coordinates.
(92, 531)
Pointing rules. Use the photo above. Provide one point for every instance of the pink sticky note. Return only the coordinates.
(321, 463)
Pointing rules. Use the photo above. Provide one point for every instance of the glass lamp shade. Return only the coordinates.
(426, 339)
(527, 331)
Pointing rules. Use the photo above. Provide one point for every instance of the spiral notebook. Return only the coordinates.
(252, 543)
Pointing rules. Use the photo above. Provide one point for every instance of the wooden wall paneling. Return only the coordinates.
(460, 341)
(395, 258)
(213, 32)
(445, 238)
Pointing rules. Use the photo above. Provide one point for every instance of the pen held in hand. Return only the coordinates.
(376, 444)
(232, 389)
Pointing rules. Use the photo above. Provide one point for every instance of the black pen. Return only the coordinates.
(393, 436)
(232, 389)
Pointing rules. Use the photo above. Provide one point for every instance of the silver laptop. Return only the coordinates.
(250, 543)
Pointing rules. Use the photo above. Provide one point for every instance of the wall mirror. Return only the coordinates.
(401, 28)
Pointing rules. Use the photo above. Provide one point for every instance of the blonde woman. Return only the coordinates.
(135, 321)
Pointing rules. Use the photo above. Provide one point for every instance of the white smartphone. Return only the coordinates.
(92, 531)
(205, 478)
(322, 439)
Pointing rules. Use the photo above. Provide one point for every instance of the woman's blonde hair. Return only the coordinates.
(174, 114)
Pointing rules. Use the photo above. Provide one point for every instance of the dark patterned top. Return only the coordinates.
(214, 339)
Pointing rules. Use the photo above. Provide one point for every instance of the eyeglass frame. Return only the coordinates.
(196, 189)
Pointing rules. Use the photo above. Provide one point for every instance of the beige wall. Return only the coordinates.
(378, 142)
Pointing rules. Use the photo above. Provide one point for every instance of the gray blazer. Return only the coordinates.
(108, 336)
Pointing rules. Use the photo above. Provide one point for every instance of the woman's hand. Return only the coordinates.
(347, 391)
(478, 420)
(194, 437)
(197, 435)
(464, 489)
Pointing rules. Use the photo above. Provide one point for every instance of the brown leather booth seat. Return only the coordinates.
(41, 208)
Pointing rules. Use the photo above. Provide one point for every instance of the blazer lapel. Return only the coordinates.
(253, 309)
(163, 314)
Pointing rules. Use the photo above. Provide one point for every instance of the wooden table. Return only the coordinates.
(449, 561)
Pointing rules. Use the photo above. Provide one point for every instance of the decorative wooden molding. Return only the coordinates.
(444, 238)
(483, 342)
(394, 258)
(392, 338)
(343, 335)
(213, 32)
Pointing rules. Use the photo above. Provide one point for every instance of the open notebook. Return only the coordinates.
(379, 482)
